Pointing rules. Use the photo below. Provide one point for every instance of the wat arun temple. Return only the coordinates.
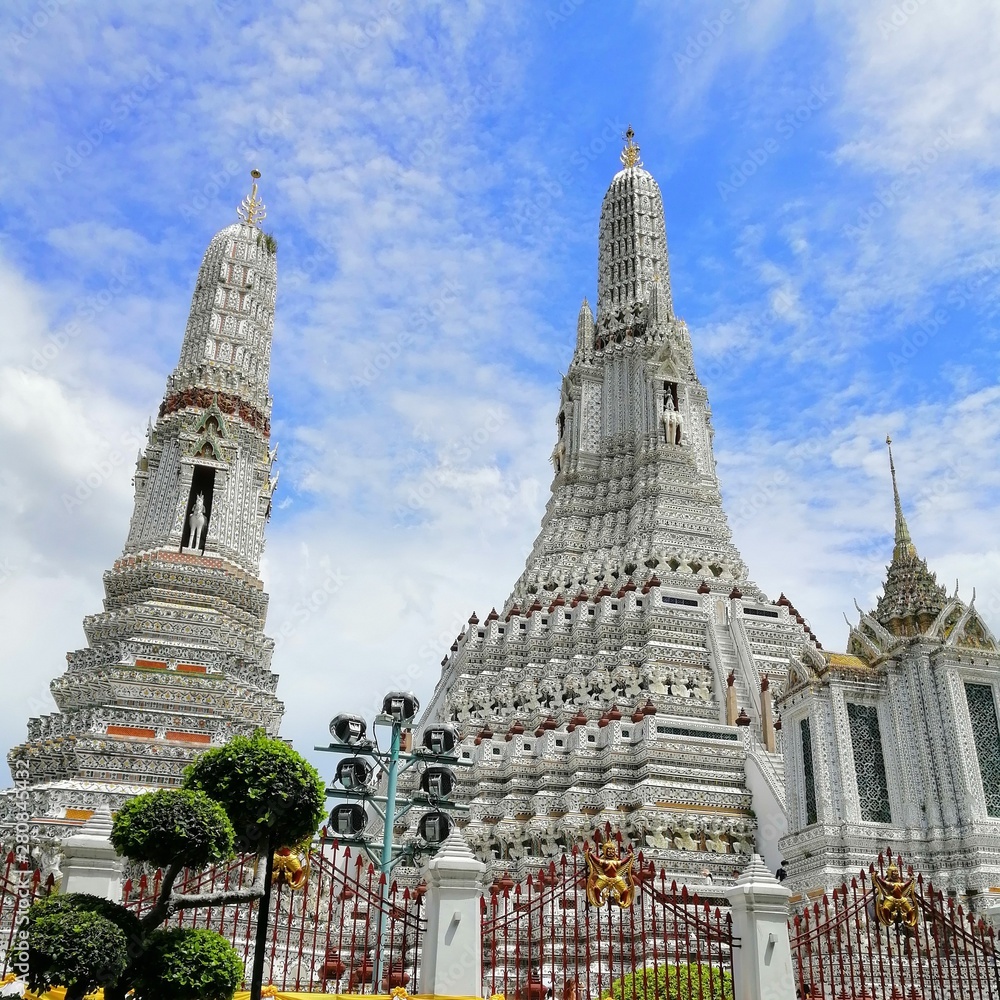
(177, 661)
(635, 677)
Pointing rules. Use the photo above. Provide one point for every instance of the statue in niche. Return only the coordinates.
(197, 522)
(671, 420)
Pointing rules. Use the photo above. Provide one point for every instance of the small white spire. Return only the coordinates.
(585, 329)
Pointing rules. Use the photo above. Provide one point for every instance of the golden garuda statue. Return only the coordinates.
(609, 876)
(289, 868)
(895, 900)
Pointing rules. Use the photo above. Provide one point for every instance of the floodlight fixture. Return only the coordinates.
(348, 819)
(354, 773)
(349, 729)
(401, 706)
(434, 827)
(440, 739)
(438, 781)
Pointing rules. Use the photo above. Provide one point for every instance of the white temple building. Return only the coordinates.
(896, 743)
(177, 661)
(625, 680)
(630, 677)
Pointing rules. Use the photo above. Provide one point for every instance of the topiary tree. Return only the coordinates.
(673, 982)
(78, 949)
(179, 827)
(57, 955)
(186, 963)
(254, 793)
(273, 797)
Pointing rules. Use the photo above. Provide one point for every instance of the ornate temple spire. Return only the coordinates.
(633, 241)
(178, 660)
(227, 343)
(634, 480)
(911, 597)
(904, 547)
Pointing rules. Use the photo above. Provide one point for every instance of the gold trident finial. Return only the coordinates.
(251, 210)
(630, 154)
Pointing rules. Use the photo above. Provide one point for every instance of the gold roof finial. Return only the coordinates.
(251, 210)
(630, 154)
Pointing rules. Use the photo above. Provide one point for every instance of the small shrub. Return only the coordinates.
(75, 948)
(273, 796)
(673, 982)
(173, 826)
(186, 963)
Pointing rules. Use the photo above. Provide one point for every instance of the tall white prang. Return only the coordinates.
(177, 660)
(598, 694)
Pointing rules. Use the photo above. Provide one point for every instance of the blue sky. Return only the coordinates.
(433, 174)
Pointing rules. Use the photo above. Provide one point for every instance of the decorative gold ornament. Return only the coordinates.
(895, 900)
(251, 209)
(630, 154)
(399, 992)
(609, 876)
(289, 868)
(269, 991)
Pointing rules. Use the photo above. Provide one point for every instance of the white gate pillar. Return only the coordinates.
(91, 864)
(762, 964)
(453, 946)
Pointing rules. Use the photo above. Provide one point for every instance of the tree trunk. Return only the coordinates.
(263, 912)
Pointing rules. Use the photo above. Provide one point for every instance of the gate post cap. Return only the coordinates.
(455, 855)
(756, 881)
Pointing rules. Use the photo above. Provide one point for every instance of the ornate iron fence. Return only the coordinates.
(888, 936)
(324, 928)
(602, 922)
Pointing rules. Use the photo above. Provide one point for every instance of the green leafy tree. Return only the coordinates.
(272, 795)
(254, 793)
(58, 954)
(173, 827)
(188, 964)
(673, 982)
(78, 949)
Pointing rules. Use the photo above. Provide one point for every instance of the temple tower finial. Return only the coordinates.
(251, 210)
(904, 547)
(630, 154)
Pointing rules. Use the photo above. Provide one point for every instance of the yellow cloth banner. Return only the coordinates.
(58, 993)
